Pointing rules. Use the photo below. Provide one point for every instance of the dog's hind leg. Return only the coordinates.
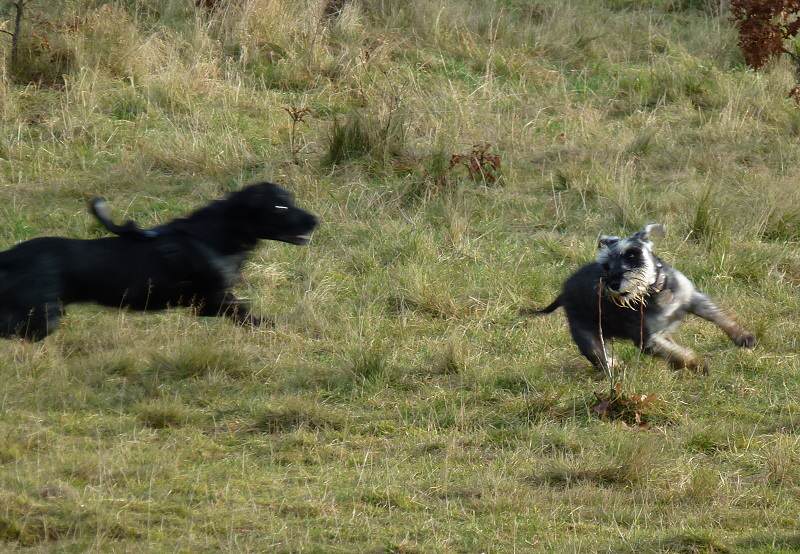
(34, 325)
(234, 308)
(702, 306)
(41, 321)
(677, 356)
(30, 297)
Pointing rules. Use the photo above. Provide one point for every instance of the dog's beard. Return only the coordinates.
(634, 293)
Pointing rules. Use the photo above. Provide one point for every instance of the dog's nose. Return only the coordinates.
(613, 282)
(312, 221)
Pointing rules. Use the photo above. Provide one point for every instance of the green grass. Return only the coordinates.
(401, 403)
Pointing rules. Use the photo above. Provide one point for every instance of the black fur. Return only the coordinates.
(580, 302)
(191, 261)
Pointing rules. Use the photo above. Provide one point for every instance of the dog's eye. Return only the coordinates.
(631, 256)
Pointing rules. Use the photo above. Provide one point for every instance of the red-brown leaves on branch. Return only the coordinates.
(481, 164)
(764, 26)
(618, 406)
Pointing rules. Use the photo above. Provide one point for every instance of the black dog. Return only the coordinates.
(630, 293)
(191, 261)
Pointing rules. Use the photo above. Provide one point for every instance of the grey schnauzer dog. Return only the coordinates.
(628, 292)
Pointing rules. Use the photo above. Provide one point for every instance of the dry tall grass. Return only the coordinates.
(401, 403)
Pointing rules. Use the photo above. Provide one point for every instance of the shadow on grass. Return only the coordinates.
(771, 543)
(631, 464)
(690, 542)
(295, 414)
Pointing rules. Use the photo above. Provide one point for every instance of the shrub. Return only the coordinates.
(764, 27)
(44, 60)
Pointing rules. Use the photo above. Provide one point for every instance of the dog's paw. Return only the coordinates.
(745, 340)
(263, 321)
(698, 365)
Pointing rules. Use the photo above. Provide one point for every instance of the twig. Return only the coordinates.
(298, 116)
(606, 365)
(19, 5)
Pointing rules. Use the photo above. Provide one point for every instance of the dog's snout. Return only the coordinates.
(614, 282)
(309, 221)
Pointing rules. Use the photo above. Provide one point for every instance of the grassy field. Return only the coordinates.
(402, 404)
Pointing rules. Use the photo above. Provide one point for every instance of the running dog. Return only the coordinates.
(628, 292)
(189, 262)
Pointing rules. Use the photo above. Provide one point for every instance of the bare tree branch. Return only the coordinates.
(19, 5)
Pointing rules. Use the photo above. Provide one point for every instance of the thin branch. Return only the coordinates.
(9, 33)
(19, 5)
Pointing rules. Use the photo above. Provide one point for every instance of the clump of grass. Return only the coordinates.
(164, 413)
(294, 414)
(513, 381)
(126, 105)
(706, 225)
(115, 44)
(709, 440)
(348, 140)
(452, 359)
(782, 462)
(782, 224)
(28, 521)
(387, 499)
(198, 360)
(380, 136)
(665, 83)
(692, 542)
(121, 376)
(631, 464)
(431, 177)
(369, 363)
(10, 450)
(419, 293)
(532, 408)
(702, 486)
(641, 144)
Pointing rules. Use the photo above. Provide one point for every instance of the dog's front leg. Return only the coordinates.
(232, 307)
(677, 356)
(588, 342)
(702, 306)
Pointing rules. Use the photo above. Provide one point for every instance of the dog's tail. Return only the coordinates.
(100, 210)
(553, 306)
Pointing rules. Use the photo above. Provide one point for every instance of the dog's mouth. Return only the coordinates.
(628, 298)
(299, 240)
(612, 286)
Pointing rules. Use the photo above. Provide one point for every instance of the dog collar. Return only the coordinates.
(660, 282)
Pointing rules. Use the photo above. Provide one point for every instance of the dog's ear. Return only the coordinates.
(606, 241)
(649, 231)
